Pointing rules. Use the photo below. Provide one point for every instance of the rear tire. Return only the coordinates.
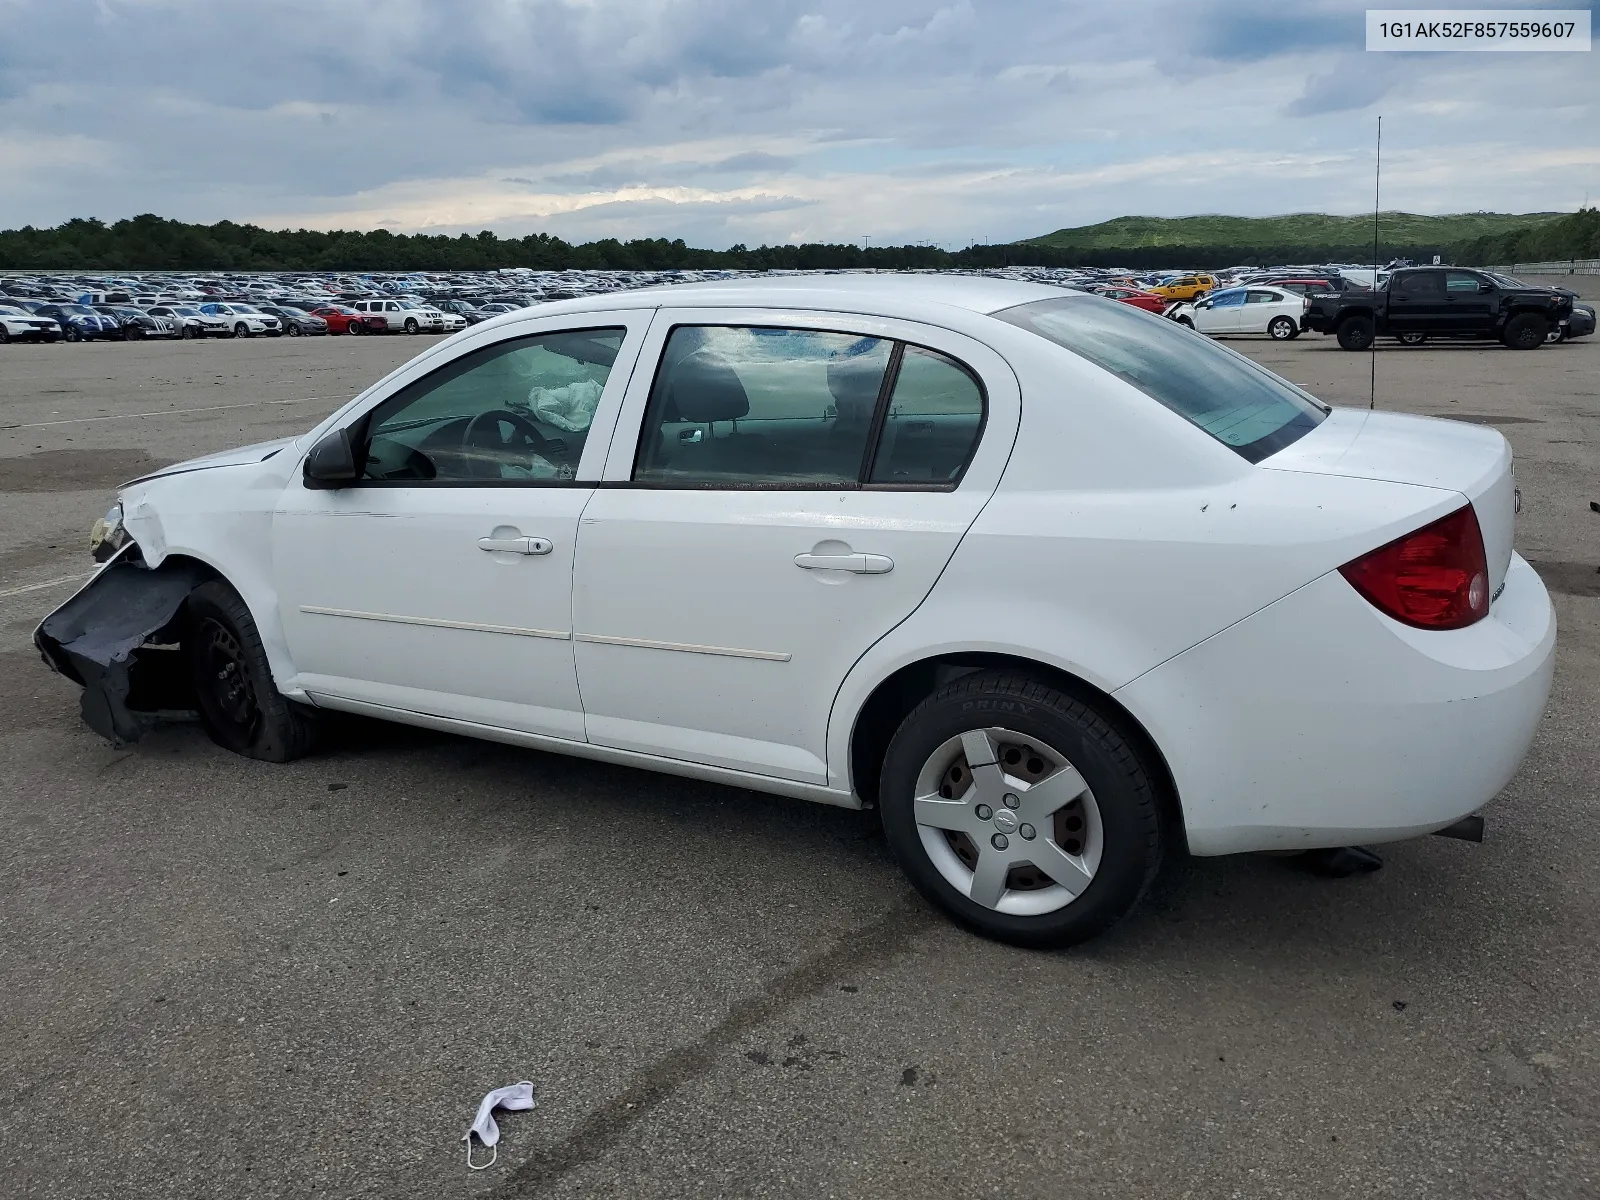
(1082, 807)
(1281, 329)
(1356, 333)
(1525, 331)
(240, 706)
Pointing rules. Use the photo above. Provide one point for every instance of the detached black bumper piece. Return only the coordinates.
(98, 639)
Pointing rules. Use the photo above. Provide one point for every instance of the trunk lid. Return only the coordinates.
(1428, 451)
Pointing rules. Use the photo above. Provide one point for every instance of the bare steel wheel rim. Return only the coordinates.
(229, 675)
(1008, 822)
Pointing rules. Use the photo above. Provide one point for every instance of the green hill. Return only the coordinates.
(1292, 229)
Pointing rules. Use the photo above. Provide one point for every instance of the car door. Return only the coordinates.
(1263, 305)
(440, 581)
(1417, 302)
(1220, 312)
(1470, 303)
(782, 490)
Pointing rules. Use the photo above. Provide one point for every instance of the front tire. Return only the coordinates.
(1525, 331)
(1050, 841)
(411, 325)
(241, 330)
(1412, 339)
(1281, 329)
(293, 331)
(1356, 333)
(240, 706)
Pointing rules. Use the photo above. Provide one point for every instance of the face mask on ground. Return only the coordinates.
(513, 1098)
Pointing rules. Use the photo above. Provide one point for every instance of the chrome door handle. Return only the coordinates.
(859, 564)
(516, 545)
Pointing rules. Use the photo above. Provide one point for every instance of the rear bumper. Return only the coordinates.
(1320, 722)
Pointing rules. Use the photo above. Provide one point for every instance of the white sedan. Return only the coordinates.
(1273, 311)
(1055, 584)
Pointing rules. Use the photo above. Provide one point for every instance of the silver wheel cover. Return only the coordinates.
(1008, 822)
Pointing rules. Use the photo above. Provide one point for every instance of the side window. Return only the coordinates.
(1460, 281)
(1262, 298)
(934, 418)
(515, 412)
(1230, 299)
(752, 406)
(1421, 283)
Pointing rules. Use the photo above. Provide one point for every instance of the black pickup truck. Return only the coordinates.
(1418, 303)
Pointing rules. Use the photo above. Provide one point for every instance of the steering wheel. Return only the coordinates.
(472, 438)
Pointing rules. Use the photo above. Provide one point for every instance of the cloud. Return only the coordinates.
(723, 121)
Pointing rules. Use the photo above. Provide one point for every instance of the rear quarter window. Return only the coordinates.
(1245, 407)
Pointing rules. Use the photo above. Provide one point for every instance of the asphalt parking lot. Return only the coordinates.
(222, 977)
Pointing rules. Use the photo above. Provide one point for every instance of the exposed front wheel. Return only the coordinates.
(411, 325)
(293, 331)
(1356, 333)
(1525, 331)
(1281, 329)
(241, 330)
(240, 706)
(1412, 339)
(1020, 810)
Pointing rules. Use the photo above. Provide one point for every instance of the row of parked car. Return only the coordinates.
(1280, 303)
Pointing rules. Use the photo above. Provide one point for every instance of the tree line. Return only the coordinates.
(152, 243)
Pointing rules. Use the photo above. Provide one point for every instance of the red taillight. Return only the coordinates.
(1435, 578)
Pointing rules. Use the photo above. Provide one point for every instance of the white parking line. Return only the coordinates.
(162, 412)
(39, 587)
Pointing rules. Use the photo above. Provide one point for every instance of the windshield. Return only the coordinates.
(1245, 407)
(12, 310)
(1505, 280)
(185, 311)
(76, 310)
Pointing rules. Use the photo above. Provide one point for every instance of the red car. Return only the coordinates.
(347, 320)
(1148, 301)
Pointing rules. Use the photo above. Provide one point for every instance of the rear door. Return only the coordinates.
(1417, 303)
(782, 490)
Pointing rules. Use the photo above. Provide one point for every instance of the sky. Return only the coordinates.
(765, 121)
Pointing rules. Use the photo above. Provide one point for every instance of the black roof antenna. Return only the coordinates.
(1377, 178)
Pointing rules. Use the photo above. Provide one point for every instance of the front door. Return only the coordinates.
(783, 489)
(1220, 312)
(440, 582)
(1470, 302)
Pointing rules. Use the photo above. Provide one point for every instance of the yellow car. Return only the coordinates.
(1186, 287)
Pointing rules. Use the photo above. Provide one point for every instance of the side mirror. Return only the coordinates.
(1485, 286)
(332, 462)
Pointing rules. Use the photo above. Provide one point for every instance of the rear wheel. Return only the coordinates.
(240, 706)
(1356, 333)
(1020, 810)
(1281, 329)
(1525, 331)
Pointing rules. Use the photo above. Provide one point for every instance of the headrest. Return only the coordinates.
(704, 388)
(854, 383)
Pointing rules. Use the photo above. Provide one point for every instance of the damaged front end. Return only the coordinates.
(119, 637)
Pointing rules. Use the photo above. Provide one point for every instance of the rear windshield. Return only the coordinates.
(1243, 406)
